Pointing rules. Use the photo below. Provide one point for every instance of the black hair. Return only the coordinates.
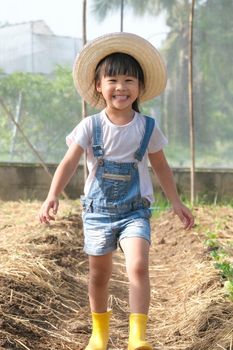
(120, 63)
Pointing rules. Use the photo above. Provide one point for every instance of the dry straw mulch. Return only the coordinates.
(43, 283)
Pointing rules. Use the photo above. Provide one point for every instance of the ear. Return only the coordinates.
(98, 86)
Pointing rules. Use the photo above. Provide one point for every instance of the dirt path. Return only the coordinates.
(43, 283)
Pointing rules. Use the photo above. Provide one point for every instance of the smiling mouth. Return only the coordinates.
(120, 97)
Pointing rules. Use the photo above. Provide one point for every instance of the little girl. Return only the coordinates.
(113, 73)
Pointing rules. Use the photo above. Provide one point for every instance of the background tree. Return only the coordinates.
(48, 101)
(50, 109)
(213, 80)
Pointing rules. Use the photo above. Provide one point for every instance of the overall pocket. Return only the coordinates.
(116, 186)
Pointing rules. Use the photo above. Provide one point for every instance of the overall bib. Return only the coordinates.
(114, 197)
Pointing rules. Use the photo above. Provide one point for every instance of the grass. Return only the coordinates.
(222, 254)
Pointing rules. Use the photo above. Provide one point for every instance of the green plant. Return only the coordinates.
(226, 269)
(211, 241)
(221, 258)
(219, 254)
(228, 287)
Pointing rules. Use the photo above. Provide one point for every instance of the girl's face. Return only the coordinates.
(119, 91)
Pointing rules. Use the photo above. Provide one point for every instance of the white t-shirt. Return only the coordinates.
(120, 144)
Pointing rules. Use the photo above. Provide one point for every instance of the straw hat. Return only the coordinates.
(148, 57)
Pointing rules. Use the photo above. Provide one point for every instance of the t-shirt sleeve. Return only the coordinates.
(157, 141)
(81, 134)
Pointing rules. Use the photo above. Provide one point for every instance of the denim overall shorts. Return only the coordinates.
(114, 208)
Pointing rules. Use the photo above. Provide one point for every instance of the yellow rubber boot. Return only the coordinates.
(100, 331)
(137, 332)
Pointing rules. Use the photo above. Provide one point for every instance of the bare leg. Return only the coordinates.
(136, 252)
(100, 270)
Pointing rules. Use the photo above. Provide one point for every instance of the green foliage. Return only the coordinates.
(160, 205)
(228, 287)
(103, 7)
(226, 269)
(211, 242)
(222, 261)
(50, 109)
(218, 254)
(213, 77)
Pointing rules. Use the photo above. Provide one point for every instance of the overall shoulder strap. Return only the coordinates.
(149, 127)
(97, 137)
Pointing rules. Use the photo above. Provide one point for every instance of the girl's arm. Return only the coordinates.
(165, 177)
(62, 176)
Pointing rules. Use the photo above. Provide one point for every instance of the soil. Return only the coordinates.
(43, 283)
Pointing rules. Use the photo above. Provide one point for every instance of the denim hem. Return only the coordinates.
(106, 251)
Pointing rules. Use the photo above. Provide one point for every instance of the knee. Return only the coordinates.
(138, 269)
(99, 277)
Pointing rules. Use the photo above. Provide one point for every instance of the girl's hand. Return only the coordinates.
(44, 213)
(184, 214)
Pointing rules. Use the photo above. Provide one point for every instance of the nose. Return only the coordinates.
(120, 86)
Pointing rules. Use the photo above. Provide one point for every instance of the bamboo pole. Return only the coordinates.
(84, 104)
(191, 113)
(10, 115)
(17, 116)
(122, 14)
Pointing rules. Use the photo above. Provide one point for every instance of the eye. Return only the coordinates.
(130, 80)
(112, 80)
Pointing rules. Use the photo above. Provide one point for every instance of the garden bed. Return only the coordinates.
(43, 283)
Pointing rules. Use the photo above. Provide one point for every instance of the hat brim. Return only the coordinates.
(144, 52)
